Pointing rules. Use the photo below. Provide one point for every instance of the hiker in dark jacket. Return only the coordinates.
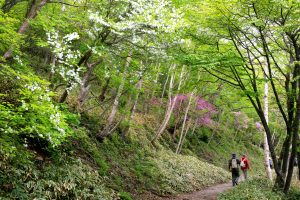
(234, 165)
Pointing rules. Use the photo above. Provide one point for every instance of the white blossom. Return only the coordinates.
(66, 57)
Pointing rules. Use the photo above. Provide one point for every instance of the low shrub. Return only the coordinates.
(180, 173)
(261, 189)
(69, 180)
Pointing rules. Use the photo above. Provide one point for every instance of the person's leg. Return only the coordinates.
(244, 174)
(235, 180)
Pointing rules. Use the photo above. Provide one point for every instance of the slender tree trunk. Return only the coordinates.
(178, 119)
(9, 4)
(170, 107)
(295, 141)
(53, 61)
(168, 111)
(183, 125)
(298, 160)
(133, 108)
(146, 100)
(184, 136)
(266, 146)
(112, 115)
(83, 59)
(165, 84)
(139, 87)
(195, 126)
(104, 89)
(84, 87)
(33, 11)
(64, 96)
(295, 128)
(153, 91)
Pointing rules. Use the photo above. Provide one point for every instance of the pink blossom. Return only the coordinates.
(258, 125)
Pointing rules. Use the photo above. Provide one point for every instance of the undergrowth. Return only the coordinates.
(67, 179)
(261, 189)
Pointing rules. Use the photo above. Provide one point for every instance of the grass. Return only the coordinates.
(261, 189)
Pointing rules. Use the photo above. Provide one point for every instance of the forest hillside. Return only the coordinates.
(148, 99)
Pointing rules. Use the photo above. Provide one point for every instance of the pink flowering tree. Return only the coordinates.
(201, 113)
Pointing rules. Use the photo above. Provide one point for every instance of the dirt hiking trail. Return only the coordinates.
(209, 193)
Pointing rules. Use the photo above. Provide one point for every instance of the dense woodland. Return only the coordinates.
(142, 99)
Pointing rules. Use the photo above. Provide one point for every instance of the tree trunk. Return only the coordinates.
(295, 128)
(146, 100)
(165, 84)
(295, 140)
(33, 11)
(84, 86)
(168, 112)
(9, 4)
(133, 108)
(104, 89)
(170, 107)
(153, 91)
(266, 146)
(177, 121)
(106, 131)
(195, 126)
(83, 59)
(298, 163)
(63, 97)
(184, 136)
(183, 125)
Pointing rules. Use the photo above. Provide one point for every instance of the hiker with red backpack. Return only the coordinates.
(234, 165)
(245, 166)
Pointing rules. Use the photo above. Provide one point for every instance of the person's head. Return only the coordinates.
(244, 156)
(233, 155)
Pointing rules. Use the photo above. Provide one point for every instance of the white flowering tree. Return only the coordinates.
(132, 28)
(29, 113)
(66, 59)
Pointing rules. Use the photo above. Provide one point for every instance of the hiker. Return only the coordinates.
(245, 166)
(234, 164)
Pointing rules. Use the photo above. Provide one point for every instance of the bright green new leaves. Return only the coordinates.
(135, 24)
(28, 112)
(8, 36)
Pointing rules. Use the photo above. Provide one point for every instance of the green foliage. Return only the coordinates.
(65, 180)
(257, 189)
(8, 36)
(28, 114)
(253, 189)
(158, 35)
(125, 196)
(89, 146)
(162, 172)
(179, 173)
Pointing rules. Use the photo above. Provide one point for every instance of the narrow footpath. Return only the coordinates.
(210, 193)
